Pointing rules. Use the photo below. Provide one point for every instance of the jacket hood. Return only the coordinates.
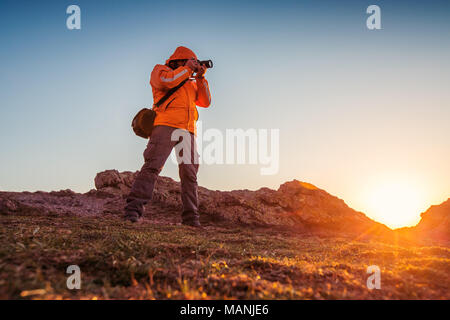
(182, 53)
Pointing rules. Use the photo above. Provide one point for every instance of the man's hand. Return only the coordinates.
(201, 70)
(193, 65)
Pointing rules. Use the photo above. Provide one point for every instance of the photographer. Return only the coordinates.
(178, 112)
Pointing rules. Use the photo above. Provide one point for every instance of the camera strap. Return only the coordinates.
(169, 93)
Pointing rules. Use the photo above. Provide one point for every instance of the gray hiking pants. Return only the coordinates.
(155, 155)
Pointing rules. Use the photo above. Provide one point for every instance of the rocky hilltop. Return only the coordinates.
(434, 224)
(297, 205)
(436, 221)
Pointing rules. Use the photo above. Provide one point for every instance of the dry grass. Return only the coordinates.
(119, 260)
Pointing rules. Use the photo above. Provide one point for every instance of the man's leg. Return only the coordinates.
(188, 168)
(155, 155)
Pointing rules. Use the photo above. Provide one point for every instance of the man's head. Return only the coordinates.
(173, 64)
(180, 57)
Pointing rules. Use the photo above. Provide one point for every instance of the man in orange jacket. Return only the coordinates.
(178, 113)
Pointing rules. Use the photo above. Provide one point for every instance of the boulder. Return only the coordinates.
(7, 205)
(114, 182)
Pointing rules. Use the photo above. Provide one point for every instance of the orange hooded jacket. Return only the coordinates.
(179, 110)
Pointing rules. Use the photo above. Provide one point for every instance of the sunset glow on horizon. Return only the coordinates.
(397, 204)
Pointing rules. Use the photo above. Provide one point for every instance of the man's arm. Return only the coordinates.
(203, 94)
(203, 98)
(165, 78)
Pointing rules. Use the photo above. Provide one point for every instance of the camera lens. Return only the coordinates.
(206, 63)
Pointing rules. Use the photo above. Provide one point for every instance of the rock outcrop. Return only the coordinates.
(295, 204)
(436, 221)
(434, 225)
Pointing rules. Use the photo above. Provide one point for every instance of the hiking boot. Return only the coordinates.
(192, 223)
(132, 216)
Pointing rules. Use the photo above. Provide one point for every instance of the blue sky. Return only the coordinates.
(353, 106)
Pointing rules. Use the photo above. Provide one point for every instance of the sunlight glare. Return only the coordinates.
(396, 204)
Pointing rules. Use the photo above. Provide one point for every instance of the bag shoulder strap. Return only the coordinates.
(169, 93)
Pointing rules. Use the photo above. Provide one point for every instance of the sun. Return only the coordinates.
(396, 204)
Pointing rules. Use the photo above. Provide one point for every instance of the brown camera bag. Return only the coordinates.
(143, 121)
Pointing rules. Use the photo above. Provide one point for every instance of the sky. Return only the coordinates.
(363, 114)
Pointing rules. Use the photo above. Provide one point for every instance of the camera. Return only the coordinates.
(207, 63)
